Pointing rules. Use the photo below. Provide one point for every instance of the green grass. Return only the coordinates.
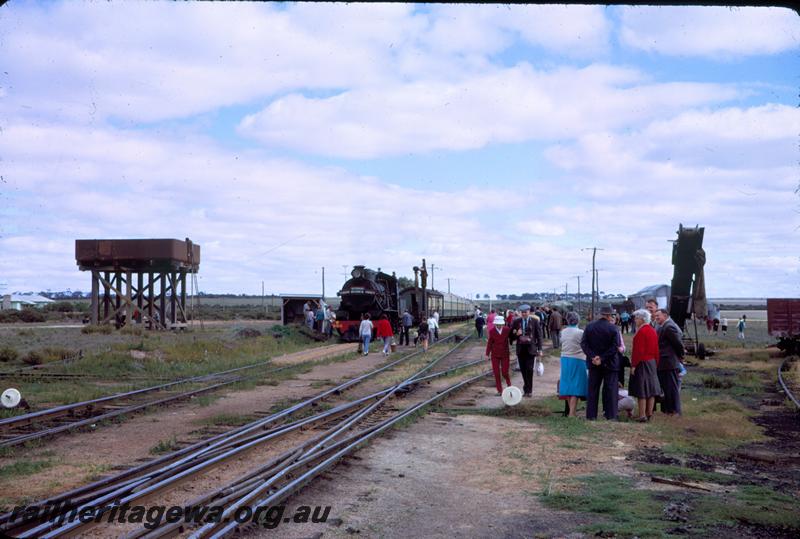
(627, 512)
(752, 506)
(25, 468)
(164, 446)
(205, 399)
(681, 473)
(168, 356)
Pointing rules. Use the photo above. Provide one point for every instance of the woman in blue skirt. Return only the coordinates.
(574, 380)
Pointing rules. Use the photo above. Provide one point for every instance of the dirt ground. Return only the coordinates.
(456, 476)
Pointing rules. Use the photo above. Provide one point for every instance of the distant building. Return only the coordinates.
(660, 292)
(18, 302)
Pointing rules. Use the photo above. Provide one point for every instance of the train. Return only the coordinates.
(378, 293)
(783, 323)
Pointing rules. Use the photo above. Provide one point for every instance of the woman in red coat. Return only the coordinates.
(644, 359)
(383, 331)
(497, 348)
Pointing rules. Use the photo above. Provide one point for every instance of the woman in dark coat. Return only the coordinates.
(643, 383)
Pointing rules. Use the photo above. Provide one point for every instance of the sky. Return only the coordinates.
(498, 142)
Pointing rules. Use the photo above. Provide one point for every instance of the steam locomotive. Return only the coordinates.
(377, 293)
(367, 291)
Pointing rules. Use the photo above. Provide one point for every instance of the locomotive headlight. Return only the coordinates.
(356, 273)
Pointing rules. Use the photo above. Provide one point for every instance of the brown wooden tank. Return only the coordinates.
(137, 254)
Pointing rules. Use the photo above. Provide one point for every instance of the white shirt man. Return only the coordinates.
(433, 326)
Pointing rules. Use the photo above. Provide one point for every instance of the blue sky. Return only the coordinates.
(494, 140)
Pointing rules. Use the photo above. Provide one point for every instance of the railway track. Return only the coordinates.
(42, 375)
(788, 387)
(326, 437)
(50, 422)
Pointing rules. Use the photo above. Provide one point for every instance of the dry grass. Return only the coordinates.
(707, 426)
(794, 373)
(754, 365)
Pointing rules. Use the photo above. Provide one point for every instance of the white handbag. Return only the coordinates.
(538, 368)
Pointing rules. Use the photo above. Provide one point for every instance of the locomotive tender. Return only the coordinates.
(377, 293)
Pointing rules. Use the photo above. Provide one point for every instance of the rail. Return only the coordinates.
(163, 473)
(16, 430)
(783, 383)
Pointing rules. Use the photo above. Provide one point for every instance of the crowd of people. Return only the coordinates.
(320, 318)
(427, 331)
(593, 359)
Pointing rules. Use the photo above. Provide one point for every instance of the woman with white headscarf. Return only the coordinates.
(644, 383)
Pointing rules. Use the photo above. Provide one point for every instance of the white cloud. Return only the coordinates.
(648, 180)
(581, 31)
(499, 106)
(718, 32)
(147, 62)
(635, 152)
(237, 206)
(728, 140)
(541, 228)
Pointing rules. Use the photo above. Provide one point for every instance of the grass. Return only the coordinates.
(166, 356)
(24, 468)
(96, 471)
(205, 399)
(164, 446)
(627, 511)
(756, 506)
(680, 473)
(708, 426)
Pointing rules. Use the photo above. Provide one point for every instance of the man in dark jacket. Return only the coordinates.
(600, 345)
(671, 352)
(554, 324)
(528, 335)
(407, 321)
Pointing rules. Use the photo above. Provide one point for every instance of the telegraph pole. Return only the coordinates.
(323, 283)
(594, 274)
(597, 282)
(433, 267)
(579, 293)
